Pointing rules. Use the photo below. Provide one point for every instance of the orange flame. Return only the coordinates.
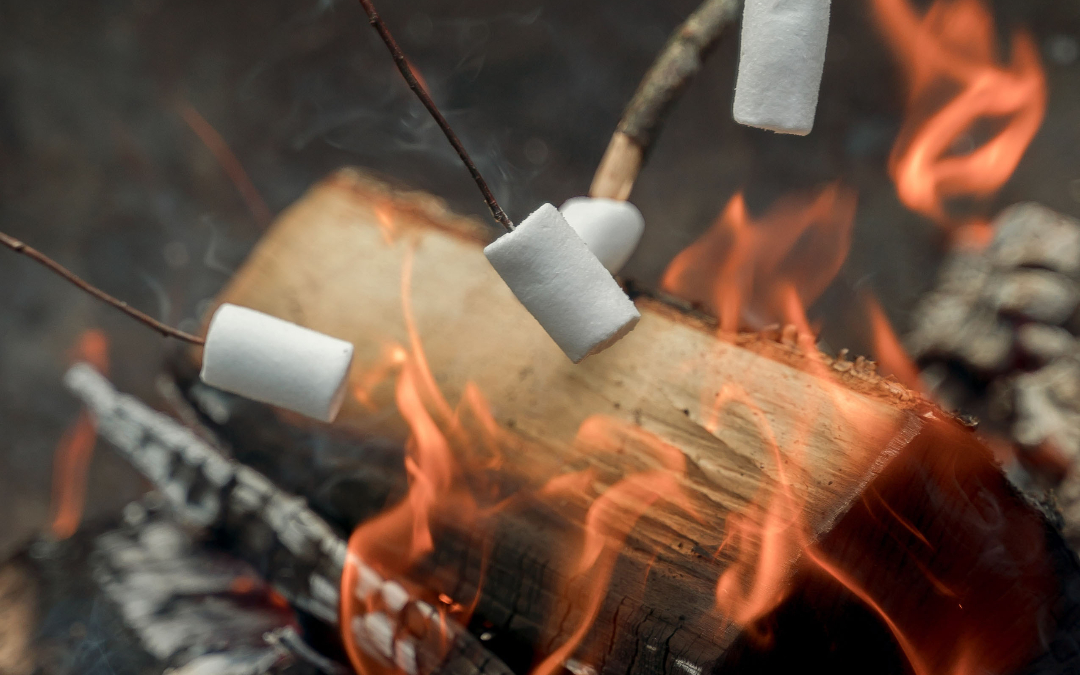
(391, 358)
(76, 447)
(738, 268)
(892, 358)
(612, 516)
(385, 219)
(994, 109)
(765, 539)
(229, 162)
(396, 538)
(767, 543)
(912, 654)
(985, 577)
(448, 444)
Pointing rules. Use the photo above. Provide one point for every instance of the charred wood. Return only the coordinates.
(295, 550)
(998, 338)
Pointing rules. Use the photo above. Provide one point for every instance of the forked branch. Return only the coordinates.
(680, 60)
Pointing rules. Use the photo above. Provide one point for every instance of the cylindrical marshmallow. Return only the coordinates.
(780, 64)
(266, 359)
(609, 227)
(558, 279)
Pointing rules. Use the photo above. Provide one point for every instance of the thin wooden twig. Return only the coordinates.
(679, 61)
(406, 71)
(229, 162)
(39, 257)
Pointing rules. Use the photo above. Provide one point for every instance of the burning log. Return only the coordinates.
(913, 574)
(719, 424)
(643, 118)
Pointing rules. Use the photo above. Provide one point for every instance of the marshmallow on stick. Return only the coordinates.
(266, 359)
(780, 64)
(611, 228)
(559, 280)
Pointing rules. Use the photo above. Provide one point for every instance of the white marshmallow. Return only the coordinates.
(780, 64)
(611, 228)
(273, 361)
(552, 272)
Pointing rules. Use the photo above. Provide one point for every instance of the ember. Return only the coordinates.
(740, 268)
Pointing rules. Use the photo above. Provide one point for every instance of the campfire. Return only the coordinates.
(403, 441)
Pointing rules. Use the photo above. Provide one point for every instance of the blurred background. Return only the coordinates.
(118, 119)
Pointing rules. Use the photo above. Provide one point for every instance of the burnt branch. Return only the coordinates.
(39, 257)
(406, 71)
(302, 556)
(680, 60)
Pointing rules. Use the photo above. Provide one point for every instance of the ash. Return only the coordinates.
(998, 338)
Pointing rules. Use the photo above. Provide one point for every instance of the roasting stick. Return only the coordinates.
(246, 352)
(211, 492)
(609, 224)
(665, 80)
(42, 259)
(561, 272)
(406, 72)
(780, 66)
(552, 270)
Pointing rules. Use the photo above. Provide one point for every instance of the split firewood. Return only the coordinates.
(338, 261)
(998, 337)
(347, 242)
